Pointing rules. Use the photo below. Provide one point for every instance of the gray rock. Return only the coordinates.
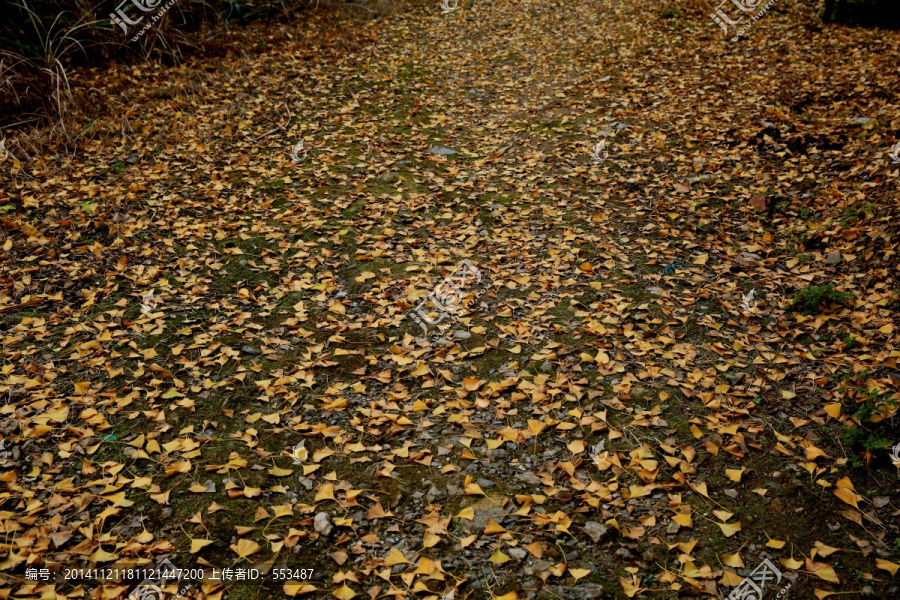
(390, 177)
(518, 553)
(463, 335)
(833, 258)
(435, 494)
(585, 591)
(540, 565)
(863, 120)
(529, 477)
(595, 530)
(485, 483)
(251, 350)
(481, 519)
(442, 150)
(748, 258)
(322, 524)
(655, 290)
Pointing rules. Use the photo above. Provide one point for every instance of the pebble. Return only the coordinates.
(518, 553)
(442, 150)
(322, 525)
(595, 530)
(585, 591)
(833, 258)
(251, 350)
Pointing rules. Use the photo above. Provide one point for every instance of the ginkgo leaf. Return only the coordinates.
(395, 557)
(847, 496)
(827, 573)
(298, 589)
(733, 560)
(344, 593)
(579, 573)
(729, 529)
(887, 565)
(198, 544)
(245, 547)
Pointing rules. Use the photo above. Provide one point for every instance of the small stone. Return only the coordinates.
(654, 289)
(540, 565)
(529, 477)
(435, 494)
(748, 258)
(462, 335)
(390, 177)
(485, 483)
(322, 525)
(443, 151)
(595, 530)
(585, 591)
(210, 486)
(518, 553)
(833, 258)
(251, 350)
(624, 553)
(731, 493)
(863, 120)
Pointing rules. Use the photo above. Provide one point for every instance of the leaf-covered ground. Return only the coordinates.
(610, 310)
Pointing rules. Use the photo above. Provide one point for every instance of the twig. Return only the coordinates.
(279, 128)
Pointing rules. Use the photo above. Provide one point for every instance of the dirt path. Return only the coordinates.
(604, 419)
